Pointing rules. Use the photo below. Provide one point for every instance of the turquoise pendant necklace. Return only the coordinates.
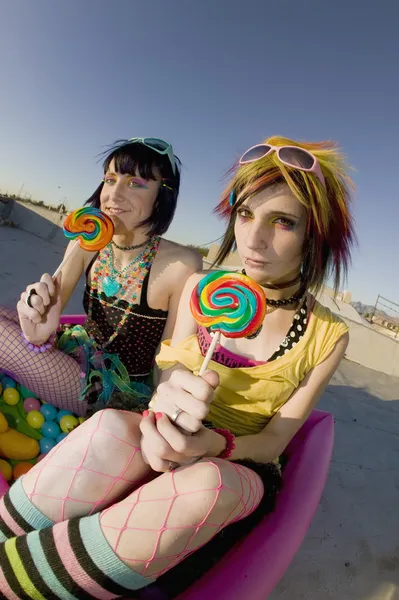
(132, 280)
(109, 284)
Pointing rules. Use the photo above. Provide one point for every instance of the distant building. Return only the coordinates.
(391, 323)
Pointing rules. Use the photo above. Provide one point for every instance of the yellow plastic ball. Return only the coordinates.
(6, 469)
(68, 422)
(3, 423)
(81, 420)
(35, 419)
(11, 396)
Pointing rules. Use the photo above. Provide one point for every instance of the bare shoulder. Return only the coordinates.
(180, 257)
(195, 278)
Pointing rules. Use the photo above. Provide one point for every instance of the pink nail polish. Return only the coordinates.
(146, 413)
(158, 416)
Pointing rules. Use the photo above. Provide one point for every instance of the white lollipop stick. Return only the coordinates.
(67, 256)
(209, 354)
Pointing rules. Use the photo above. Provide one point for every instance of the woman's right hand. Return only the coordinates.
(41, 319)
(190, 394)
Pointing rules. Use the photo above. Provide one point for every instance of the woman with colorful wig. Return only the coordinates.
(287, 207)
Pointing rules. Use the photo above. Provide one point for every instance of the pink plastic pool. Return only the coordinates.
(252, 568)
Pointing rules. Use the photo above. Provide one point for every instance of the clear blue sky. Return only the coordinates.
(213, 77)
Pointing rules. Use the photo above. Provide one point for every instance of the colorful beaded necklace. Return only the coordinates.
(114, 283)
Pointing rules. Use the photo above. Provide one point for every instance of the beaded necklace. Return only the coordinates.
(131, 277)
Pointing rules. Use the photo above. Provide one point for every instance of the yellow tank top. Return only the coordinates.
(247, 398)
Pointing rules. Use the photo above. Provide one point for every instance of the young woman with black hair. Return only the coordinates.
(132, 291)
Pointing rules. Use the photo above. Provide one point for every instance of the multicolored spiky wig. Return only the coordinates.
(330, 233)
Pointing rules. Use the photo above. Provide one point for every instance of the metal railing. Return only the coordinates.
(389, 321)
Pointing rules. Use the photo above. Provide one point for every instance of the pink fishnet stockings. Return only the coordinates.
(95, 465)
(163, 521)
(160, 522)
(53, 376)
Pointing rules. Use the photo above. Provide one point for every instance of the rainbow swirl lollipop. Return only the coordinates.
(229, 303)
(92, 228)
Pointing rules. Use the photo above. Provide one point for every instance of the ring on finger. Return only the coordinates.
(175, 415)
(32, 292)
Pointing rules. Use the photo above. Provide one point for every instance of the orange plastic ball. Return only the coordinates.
(21, 468)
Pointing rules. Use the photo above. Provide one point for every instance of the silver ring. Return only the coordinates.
(32, 292)
(175, 415)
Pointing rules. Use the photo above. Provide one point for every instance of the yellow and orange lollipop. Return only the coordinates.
(91, 229)
(228, 303)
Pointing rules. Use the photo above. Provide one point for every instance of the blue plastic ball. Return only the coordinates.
(49, 412)
(8, 382)
(61, 437)
(50, 430)
(46, 444)
(62, 413)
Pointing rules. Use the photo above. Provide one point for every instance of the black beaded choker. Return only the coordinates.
(128, 247)
(284, 301)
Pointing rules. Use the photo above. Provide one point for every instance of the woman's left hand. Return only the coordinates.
(164, 447)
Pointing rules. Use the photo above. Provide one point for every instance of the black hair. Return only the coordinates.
(132, 158)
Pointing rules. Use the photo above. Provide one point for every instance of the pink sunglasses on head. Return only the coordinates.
(292, 156)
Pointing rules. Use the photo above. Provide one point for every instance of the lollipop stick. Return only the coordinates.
(209, 354)
(67, 256)
(204, 366)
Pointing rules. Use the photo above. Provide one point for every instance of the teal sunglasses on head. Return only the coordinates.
(158, 145)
